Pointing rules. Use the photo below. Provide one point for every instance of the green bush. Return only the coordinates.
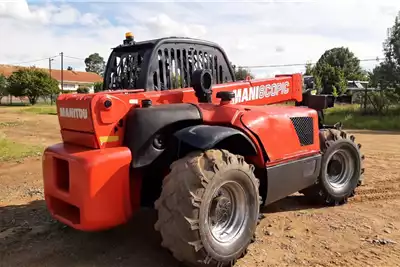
(68, 92)
(82, 90)
(98, 87)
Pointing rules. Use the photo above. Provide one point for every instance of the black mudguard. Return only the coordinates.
(204, 137)
(145, 125)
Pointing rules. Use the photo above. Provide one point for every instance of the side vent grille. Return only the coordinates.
(305, 129)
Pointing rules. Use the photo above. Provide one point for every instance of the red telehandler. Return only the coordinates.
(174, 130)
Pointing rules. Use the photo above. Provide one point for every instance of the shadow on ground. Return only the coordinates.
(29, 237)
(290, 203)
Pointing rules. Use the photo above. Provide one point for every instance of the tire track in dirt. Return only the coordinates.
(382, 177)
(376, 197)
(377, 190)
(377, 193)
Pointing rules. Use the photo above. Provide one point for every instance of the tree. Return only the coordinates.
(69, 68)
(388, 72)
(381, 77)
(241, 73)
(95, 63)
(3, 86)
(309, 69)
(386, 76)
(32, 83)
(335, 67)
(332, 79)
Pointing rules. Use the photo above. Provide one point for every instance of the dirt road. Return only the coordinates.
(361, 233)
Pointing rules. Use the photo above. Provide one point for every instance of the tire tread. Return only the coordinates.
(328, 138)
(180, 200)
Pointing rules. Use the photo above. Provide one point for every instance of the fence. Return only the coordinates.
(21, 101)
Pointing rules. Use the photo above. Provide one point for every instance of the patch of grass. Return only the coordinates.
(11, 150)
(10, 124)
(45, 109)
(352, 118)
(37, 109)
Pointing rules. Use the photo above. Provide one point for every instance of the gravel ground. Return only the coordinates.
(364, 232)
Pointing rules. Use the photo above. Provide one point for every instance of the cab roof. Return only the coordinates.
(173, 39)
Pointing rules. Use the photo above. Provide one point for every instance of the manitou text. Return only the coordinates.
(74, 113)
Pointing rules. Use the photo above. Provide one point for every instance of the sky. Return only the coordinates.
(252, 33)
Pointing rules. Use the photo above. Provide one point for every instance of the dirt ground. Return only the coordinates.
(364, 232)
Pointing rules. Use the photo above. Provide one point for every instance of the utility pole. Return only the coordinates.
(50, 60)
(62, 72)
(51, 96)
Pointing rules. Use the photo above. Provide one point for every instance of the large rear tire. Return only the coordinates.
(341, 169)
(209, 208)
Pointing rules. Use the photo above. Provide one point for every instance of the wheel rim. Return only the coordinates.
(227, 213)
(340, 168)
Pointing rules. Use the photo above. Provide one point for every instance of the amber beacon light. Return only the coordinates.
(129, 35)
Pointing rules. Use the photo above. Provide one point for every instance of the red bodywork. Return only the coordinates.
(86, 178)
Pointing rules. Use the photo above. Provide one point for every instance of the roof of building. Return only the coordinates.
(68, 75)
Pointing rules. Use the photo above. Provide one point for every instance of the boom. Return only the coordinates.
(280, 89)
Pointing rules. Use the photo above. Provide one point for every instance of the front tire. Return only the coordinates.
(341, 169)
(209, 208)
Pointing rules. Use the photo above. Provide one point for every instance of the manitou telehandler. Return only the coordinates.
(174, 130)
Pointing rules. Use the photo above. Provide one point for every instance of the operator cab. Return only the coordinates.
(164, 64)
